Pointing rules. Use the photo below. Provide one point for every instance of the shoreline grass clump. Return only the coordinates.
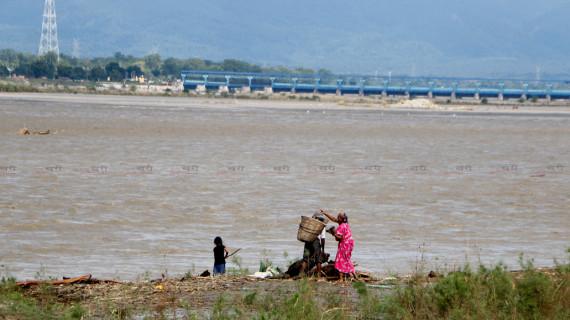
(17, 87)
(489, 293)
(15, 304)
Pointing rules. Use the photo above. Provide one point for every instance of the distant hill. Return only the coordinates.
(414, 37)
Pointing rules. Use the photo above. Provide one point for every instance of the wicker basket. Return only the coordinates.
(309, 229)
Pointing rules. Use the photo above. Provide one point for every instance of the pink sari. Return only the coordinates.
(343, 263)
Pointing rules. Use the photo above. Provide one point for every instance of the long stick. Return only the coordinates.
(57, 282)
(231, 254)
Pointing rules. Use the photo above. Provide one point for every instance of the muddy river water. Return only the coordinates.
(131, 187)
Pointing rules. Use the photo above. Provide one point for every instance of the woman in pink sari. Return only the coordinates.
(343, 235)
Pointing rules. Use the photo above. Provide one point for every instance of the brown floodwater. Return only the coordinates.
(133, 187)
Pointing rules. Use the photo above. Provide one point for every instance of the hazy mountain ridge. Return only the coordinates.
(441, 37)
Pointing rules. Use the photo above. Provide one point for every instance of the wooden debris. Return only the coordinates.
(82, 279)
(26, 131)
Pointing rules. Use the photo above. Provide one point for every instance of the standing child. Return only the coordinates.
(220, 255)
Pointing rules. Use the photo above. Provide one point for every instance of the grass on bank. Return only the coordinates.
(15, 304)
(487, 293)
(17, 87)
(484, 293)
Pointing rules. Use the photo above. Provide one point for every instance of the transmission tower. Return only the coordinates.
(154, 49)
(75, 53)
(49, 30)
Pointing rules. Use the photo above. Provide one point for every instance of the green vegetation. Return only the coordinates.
(239, 270)
(487, 294)
(15, 304)
(16, 87)
(120, 68)
(484, 100)
(303, 303)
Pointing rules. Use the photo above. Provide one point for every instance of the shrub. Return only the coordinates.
(487, 294)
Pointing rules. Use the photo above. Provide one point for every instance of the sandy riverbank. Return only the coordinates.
(323, 103)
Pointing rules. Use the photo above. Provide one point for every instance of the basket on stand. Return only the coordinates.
(309, 229)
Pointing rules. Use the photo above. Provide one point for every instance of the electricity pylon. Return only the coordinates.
(75, 52)
(49, 40)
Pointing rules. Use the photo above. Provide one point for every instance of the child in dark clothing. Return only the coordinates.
(220, 255)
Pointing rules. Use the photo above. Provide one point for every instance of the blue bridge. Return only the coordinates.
(431, 87)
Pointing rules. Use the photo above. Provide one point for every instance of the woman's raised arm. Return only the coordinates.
(329, 216)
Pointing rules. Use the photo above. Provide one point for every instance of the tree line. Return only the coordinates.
(120, 67)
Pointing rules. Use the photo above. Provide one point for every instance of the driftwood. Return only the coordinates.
(27, 131)
(82, 279)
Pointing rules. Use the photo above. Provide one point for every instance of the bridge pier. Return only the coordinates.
(501, 91)
(317, 82)
(549, 93)
(294, 85)
(453, 94)
(430, 92)
(478, 85)
(223, 89)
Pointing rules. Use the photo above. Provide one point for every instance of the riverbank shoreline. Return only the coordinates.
(318, 103)
(243, 297)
